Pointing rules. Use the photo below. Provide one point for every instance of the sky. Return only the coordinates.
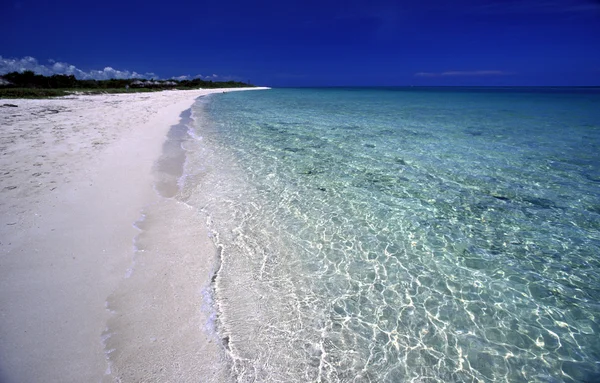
(310, 43)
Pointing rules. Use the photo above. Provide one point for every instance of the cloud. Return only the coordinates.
(54, 67)
(463, 73)
(181, 78)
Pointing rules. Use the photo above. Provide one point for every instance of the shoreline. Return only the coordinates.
(76, 176)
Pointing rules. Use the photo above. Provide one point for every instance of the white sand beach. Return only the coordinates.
(77, 302)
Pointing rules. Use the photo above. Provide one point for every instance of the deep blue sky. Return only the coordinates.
(305, 43)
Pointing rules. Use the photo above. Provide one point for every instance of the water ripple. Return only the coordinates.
(389, 236)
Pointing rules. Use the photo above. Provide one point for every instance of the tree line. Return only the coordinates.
(28, 79)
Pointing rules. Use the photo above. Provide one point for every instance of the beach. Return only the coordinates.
(301, 235)
(101, 275)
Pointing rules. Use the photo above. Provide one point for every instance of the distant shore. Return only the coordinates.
(76, 174)
(28, 84)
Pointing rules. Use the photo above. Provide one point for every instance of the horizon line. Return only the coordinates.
(439, 86)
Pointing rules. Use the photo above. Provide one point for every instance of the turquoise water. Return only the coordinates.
(392, 235)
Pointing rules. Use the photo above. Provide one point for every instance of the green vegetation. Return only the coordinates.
(30, 85)
(31, 93)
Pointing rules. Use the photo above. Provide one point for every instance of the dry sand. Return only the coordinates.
(86, 293)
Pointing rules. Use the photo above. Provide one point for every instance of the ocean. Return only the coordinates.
(401, 234)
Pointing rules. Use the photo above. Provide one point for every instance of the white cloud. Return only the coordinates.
(19, 65)
(29, 63)
(207, 77)
(181, 78)
(56, 67)
(108, 73)
(463, 73)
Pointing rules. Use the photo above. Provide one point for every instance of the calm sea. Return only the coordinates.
(395, 235)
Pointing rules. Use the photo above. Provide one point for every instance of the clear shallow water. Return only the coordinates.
(391, 235)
